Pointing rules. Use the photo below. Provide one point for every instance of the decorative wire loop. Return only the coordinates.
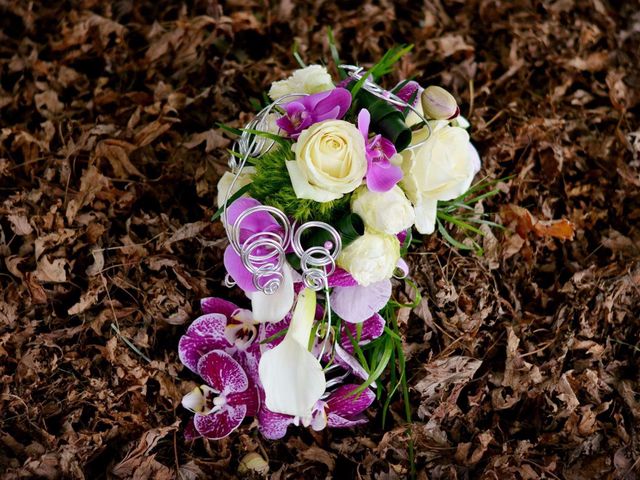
(317, 262)
(373, 88)
(262, 253)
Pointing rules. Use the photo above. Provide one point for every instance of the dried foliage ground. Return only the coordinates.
(523, 362)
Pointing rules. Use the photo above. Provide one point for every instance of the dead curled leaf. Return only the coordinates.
(525, 223)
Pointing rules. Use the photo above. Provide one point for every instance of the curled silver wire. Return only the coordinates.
(356, 73)
(262, 253)
(317, 263)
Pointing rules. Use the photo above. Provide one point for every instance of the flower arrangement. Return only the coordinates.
(326, 184)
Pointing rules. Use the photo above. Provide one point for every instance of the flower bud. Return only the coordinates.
(439, 104)
(253, 462)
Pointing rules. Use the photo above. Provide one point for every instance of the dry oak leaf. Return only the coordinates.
(20, 224)
(140, 463)
(51, 271)
(525, 222)
(92, 182)
(117, 153)
(213, 139)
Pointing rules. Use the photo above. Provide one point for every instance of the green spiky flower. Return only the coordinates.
(272, 186)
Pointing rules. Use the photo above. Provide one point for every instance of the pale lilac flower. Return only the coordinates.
(382, 175)
(306, 111)
(356, 303)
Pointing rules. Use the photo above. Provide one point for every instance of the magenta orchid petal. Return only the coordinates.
(205, 334)
(364, 119)
(190, 432)
(358, 303)
(410, 91)
(341, 278)
(349, 362)
(223, 373)
(273, 426)
(345, 403)
(383, 177)
(270, 329)
(372, 328)
(221, 423)
(255, 222)
(218, 305)
(237, 271)
(306, 111)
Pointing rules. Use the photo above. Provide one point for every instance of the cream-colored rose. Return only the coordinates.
(387, 212)
(226, 181)
(440, 169)
(371, 258)
(330, 161)
(311, 79)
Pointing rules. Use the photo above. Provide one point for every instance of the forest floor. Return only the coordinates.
(523, 362)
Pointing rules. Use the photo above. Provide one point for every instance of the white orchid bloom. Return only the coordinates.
(292, 377)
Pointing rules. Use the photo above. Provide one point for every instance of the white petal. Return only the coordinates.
(292, 378)
(273, 308)
(304, 189)
(426, 211)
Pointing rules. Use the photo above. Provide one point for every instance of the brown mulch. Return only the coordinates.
(523, 362)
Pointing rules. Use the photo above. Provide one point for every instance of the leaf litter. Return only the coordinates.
(522, 363)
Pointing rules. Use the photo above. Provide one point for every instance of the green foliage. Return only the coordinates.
(272, 186)
(460, 213)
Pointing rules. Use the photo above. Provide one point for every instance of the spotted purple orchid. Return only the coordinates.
(224, 401)
(301, 114)
(257, 224)
(341, 409)
(382, 175)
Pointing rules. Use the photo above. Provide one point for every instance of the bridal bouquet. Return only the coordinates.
(327, 183)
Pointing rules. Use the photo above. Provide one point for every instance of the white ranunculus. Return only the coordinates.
(311, 79)
(371, 258)
(330, 161)
(226, 182)
(292, 377)
(440, 169)
(387, 212)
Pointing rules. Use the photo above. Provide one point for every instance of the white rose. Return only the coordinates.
(226, 181)
(371, 258)
(330, 161)
(311, 79)
(441, 169)
(387, 212)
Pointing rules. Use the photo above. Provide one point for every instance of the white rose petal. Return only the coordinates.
(311, 79)
(387, 212)
(440, 169)
(225, 182)
(330, 161)
(371, 258)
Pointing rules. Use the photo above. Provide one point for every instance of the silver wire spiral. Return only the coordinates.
(263, 253)
(356, 73)
(317, 262)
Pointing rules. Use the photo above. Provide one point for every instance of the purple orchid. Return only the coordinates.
(301, 114)
(223, 326)
(223, 402)
(410, 92)
(341, 409)
(382, 175)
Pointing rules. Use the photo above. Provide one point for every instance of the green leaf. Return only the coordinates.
(241, 191)
(334, 53)
(447, 236)
(275, 336)
(379, 368)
